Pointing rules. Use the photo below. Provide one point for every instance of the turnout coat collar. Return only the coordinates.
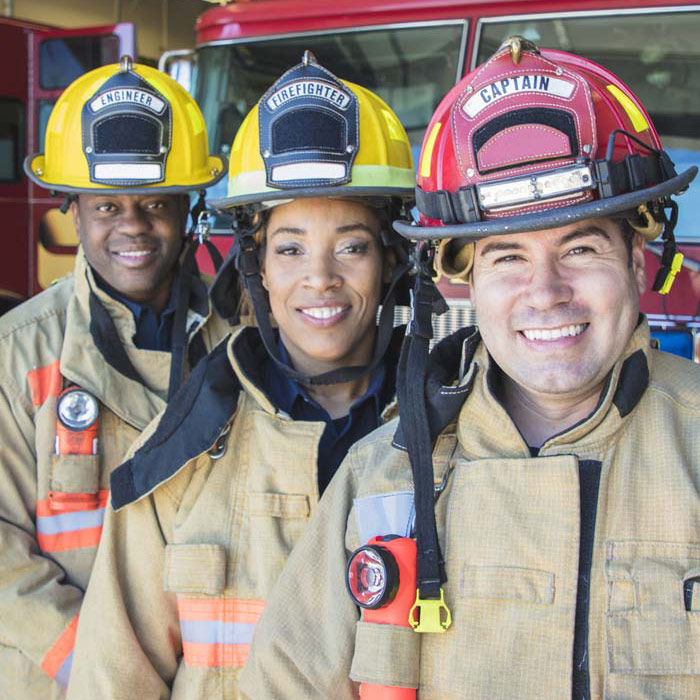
(460, 367)
(82, 363)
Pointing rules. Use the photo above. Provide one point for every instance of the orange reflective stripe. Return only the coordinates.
(44, 382)
(75, 539)
(61, 650)
(70, 520)
(71, 502)
(217, 632)
(224, 609)
(232, 655)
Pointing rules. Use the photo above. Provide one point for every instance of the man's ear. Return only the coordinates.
(639, 262)
(74, 209)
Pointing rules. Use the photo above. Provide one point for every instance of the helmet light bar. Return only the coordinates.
(532, 188)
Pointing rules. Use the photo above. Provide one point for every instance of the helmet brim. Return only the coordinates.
(37, 160)
(552, 218)
(307, 192)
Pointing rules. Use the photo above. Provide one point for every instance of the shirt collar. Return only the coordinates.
(137, 309)
(153, 330)
(285, 392)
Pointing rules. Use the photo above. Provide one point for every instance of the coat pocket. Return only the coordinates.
(653, 620)
(195, 568)
(216, 628)
(276, 523)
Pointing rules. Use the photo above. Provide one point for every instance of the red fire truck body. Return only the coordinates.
(40, 62)
(412, 51)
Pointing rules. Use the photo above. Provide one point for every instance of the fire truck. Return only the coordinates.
(411, 52)
(40, 62)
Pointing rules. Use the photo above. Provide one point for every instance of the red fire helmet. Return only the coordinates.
(535, 139)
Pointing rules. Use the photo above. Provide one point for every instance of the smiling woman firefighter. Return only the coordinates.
(216, 495)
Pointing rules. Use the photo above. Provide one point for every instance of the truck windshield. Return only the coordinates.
(410, 67)
(657, 54)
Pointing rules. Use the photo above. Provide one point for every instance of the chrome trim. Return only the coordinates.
(347, 30)
(177, 53)
(572, 14)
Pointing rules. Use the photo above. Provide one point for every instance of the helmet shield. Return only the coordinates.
(126, 129)
(314, 135)
(309, 129)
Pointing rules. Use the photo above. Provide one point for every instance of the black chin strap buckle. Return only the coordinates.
(247, 264)
(671, 259)
(425, 296)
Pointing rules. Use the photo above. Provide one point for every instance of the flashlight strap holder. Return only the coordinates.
(429, 613)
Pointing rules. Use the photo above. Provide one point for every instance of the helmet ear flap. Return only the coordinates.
(454, 259)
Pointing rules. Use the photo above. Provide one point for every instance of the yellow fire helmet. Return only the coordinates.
(314, 135)
(125, 128)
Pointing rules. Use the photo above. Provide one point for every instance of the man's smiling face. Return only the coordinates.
(556, 307)
(133, 241)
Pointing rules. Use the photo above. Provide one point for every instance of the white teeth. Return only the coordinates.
(134, 253)
(554, 333)
(323, 312)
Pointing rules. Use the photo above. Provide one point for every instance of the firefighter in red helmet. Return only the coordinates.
(546, 463)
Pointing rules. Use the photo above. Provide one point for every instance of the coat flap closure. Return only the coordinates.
(195, 568)
(280, 505)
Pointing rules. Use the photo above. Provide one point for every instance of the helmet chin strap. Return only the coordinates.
(248, 266)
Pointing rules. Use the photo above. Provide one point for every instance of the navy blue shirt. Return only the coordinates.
(340, 434)
(153, 330)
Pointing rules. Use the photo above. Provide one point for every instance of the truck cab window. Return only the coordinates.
(63, 60)
(11, 139)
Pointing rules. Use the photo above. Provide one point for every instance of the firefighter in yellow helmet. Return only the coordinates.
(210, 505)
(88, 363)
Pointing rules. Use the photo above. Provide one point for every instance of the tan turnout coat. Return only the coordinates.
(46, 554)
(185, 568)
(509, 527)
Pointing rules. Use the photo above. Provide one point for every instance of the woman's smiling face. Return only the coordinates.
(323, 266)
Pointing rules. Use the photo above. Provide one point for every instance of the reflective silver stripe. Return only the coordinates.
(68, 522)
(216, 632)
(384, 514)
(63, 673)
